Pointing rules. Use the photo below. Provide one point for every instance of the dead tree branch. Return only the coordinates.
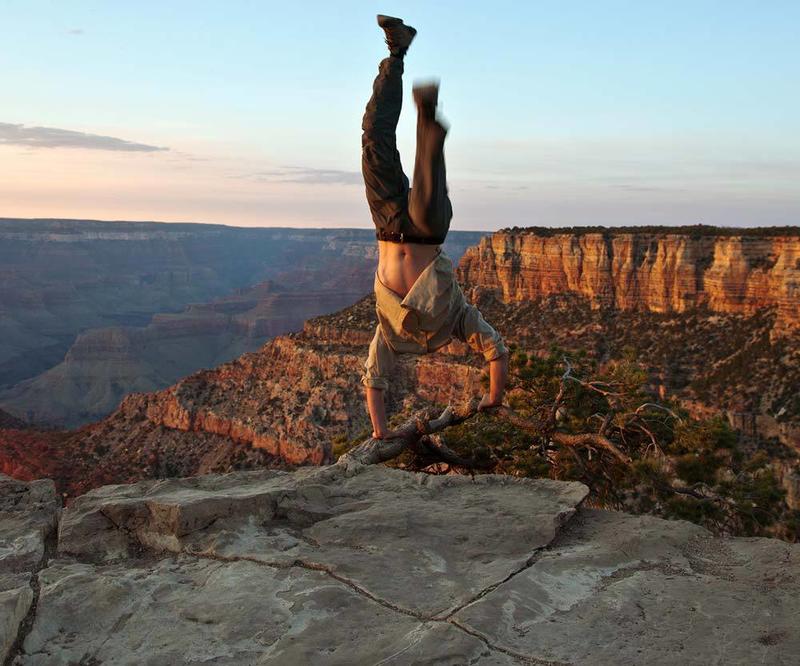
(416, 433)
(589, 439)
(373, 451)
(654, 405)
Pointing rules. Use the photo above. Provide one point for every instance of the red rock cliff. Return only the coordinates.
(658, 272)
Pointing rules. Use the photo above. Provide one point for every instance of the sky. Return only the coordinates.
(249, 113)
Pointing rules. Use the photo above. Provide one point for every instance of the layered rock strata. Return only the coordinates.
(665, 271)
(296, 394)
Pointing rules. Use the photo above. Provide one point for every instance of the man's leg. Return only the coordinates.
(429, 204)
(386, 184)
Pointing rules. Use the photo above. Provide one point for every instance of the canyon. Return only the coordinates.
(93, 311)
(297, 399)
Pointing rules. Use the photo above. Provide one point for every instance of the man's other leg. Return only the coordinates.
(386, 184)
(429, 205)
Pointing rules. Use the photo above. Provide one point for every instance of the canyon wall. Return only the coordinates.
(91, 311)
(658, 272)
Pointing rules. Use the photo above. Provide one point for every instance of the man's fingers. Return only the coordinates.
(391, 434)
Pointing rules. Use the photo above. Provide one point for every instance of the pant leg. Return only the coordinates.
(429, 205)
(386, 184)
(381, 360)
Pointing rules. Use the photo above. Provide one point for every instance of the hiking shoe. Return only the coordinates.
(426, 97)
(398, 35)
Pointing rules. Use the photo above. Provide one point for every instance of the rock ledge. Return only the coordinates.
(348, 564)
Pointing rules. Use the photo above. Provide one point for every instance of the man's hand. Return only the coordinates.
(487, 403)
(385, 434)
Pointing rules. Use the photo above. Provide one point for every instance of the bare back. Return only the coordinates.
(400, 264)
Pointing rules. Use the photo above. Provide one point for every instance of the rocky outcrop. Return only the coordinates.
(349, 564)
(28, 518)
(666, 271)
(296, 394)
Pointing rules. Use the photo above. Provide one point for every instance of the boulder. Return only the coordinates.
(29, 513)
(16, 597)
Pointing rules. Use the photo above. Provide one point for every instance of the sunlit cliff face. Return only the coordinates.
(655, 272)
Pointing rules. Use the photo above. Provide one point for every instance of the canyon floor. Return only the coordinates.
(352, 564)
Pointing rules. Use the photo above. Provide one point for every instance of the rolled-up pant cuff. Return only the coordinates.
(375, 382)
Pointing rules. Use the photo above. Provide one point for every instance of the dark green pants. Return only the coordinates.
(423, 210)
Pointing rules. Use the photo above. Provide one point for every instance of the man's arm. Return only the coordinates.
(473, 329)
(498, 376)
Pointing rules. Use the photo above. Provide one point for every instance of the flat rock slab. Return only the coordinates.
(423, 544)
(185, 610)
(352, 564)
(29, 512)
(16, 597)
(622, 589)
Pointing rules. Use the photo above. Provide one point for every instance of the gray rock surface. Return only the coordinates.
(369, 565)
(28, 514)
(451, 535)
(28, 517)
(16, 597)
(188, 610)
(622, 589)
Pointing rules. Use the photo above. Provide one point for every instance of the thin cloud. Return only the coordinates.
(182, 157)
(51, 137)
(306, 175)
(75, 31)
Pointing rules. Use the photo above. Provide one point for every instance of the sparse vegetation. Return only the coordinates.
(678, 467)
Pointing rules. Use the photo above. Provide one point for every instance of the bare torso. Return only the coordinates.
(400, 264)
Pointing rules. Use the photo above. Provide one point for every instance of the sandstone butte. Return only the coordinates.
(350, 564)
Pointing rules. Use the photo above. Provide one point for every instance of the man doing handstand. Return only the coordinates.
(419, 304)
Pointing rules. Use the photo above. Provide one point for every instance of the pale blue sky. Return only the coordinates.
(561, 113)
